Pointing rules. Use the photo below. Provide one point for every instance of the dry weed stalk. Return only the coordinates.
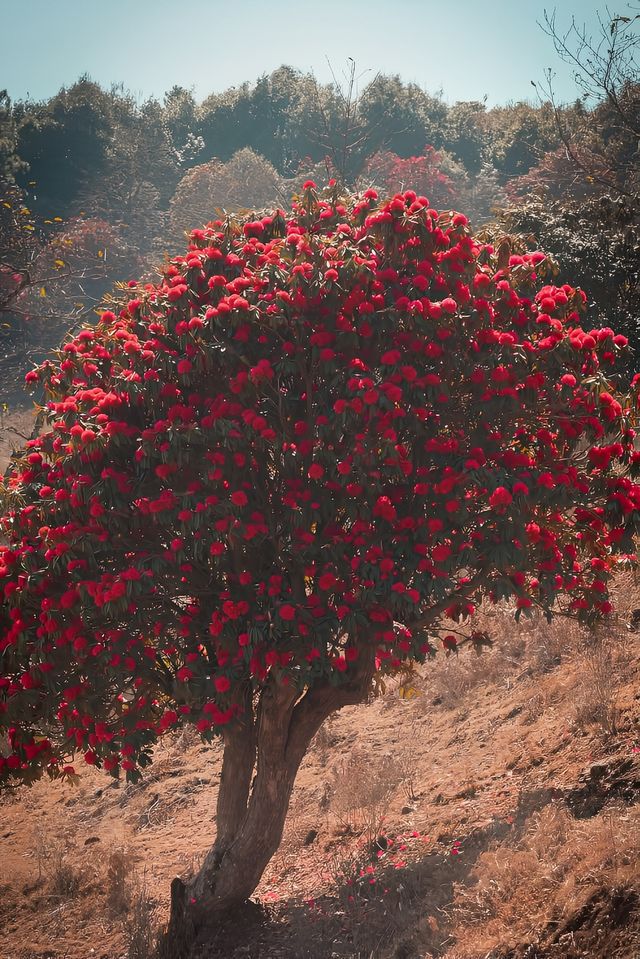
(140, 928)
(128, 900)
(598, 687)
(118, 882)
(362, 789)
(64, 879)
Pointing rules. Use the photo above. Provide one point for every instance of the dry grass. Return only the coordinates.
(597, 689)
(606, 663)
(140, 926)
(520, 651)
(361, 791)
(127, 899)
(66, 880)
(544, 876)
(61, 877)
(517, 650)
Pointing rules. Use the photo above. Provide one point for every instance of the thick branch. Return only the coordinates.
(323, 699)
(462, 593)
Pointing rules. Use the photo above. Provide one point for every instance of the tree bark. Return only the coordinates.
(251, 817)
(238, 761)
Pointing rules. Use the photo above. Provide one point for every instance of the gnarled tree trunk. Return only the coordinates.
(251, 814)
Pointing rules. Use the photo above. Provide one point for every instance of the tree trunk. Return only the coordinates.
(238, 761)
(251, 817)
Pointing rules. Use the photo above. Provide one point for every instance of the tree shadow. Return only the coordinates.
(405, 912)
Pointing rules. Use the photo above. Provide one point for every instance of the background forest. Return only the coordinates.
(97, 187)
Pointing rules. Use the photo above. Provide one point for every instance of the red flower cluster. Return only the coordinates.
(424, 173)
(318, 437)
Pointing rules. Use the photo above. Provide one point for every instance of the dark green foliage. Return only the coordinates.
(401, 116)
(466, 135)
(596, 242)
(64, 142)
(10, 162)
(518, 135)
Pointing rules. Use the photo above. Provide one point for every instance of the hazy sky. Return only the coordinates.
(466, 48)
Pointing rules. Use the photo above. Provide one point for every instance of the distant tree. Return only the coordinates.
(401, 117)
(391, 173)
(64, 143)
(465, 134)
(296, 463)
(10, 162)
(102, 152)
(141, 172)
(345, 136)
(179, 117)
(605, 65)
(518, 135)
(287, 118)
(226, 123)
(245, 181)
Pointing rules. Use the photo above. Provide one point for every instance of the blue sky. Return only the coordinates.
(466, 48)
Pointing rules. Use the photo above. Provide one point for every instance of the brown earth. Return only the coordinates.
(484, 808)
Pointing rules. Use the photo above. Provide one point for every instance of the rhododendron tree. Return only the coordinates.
(426, 173)
(297, 462)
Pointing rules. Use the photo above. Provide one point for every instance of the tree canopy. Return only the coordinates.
(304, 456)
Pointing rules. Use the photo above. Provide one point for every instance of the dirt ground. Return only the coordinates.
(485, 808)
